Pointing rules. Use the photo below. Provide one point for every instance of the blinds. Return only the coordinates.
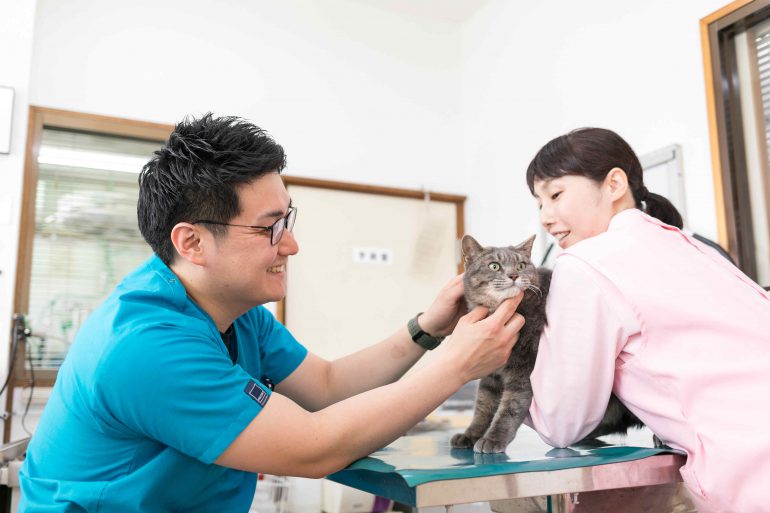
(86, 237)
(762, 43)
(758, 176)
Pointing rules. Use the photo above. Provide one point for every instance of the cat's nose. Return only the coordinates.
(513, 276)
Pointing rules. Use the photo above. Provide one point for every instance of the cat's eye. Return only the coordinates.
(494, 266)
(521, 266)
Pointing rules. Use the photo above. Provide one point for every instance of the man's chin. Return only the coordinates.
(273, 298)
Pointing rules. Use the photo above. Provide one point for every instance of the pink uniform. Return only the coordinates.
(681, 336)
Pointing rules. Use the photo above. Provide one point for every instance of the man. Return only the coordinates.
(163, 402)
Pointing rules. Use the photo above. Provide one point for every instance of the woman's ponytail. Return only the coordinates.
(661, 208)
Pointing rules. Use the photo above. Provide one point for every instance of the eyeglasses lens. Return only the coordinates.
(291, 218)
(283, 223)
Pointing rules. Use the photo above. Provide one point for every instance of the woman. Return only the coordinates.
(638, 308)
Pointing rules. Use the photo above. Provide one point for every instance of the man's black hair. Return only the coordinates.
(196, 173)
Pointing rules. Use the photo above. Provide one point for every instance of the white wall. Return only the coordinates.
(534, 71)
(353, 91)
(16, 29)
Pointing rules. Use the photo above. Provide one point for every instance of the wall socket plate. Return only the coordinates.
(375, 256)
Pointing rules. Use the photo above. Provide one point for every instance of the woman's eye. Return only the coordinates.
(555, 195)
(494, 266)
(521, 266)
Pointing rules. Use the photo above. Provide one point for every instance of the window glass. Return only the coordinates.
(86, 237)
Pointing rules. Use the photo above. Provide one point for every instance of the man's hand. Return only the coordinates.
(442, 315)
(482, 344)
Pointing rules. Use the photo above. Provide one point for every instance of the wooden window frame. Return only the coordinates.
(728, 157)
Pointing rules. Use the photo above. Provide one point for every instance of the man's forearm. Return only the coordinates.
(314, 444)
(374, 366)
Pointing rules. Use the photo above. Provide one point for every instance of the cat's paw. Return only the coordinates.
(461, 441)
(487, 445)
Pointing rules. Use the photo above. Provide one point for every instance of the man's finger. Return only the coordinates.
(457, 285)
(476, 314)
(506, 309)
(516, 322)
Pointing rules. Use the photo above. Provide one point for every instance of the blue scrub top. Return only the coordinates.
(147, 399)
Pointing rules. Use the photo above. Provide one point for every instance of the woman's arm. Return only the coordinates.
(589, 324)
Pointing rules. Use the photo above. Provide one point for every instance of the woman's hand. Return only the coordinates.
(442, 315)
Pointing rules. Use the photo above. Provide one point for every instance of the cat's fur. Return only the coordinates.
(493, 274)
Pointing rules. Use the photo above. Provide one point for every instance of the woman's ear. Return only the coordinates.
(186, 239)
(616, 182)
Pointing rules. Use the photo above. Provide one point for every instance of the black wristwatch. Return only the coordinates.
(420, 337)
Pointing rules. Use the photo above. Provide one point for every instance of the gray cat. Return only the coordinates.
(492, 275)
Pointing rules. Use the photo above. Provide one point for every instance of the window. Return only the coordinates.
(736, 48)
(78, 237)
(86, 237)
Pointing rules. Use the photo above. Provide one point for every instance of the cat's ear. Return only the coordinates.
(470, 247)
(526, 246)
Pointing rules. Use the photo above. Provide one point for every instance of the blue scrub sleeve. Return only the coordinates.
(175, 385)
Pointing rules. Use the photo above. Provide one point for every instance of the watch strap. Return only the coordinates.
(420, 337)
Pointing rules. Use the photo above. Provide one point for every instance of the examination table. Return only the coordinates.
(609, 475)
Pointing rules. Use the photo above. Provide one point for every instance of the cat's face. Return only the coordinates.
(493, 274)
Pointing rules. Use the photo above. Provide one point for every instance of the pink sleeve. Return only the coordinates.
(589, 322)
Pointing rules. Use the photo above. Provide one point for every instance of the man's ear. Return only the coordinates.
(617, 183)
(186, 239)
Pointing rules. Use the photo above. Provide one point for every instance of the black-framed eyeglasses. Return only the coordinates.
(276, 229)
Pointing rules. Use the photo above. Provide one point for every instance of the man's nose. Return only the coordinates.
(288, 244)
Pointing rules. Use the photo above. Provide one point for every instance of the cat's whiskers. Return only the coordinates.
(502, 284)
(526, 284)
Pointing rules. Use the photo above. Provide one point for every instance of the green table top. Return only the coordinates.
(410, 461)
